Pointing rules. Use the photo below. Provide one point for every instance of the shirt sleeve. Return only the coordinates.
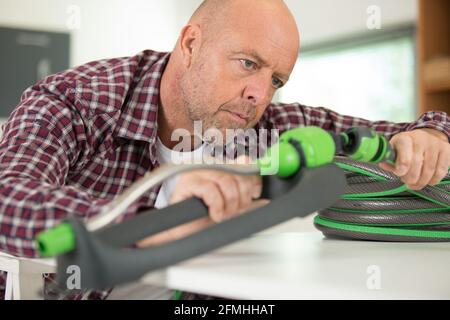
(287, 116)
(42, 139)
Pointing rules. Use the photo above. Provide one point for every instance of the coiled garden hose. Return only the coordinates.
(377, 206)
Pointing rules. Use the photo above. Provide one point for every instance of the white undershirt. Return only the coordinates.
(166, 155)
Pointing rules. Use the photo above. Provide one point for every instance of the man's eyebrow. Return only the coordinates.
(255, 56)
(261, 61)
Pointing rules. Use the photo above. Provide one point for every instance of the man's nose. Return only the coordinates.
(258, 90)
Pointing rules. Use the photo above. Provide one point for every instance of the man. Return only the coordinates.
(79, 138)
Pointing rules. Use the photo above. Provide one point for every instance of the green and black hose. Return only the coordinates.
(377, 206)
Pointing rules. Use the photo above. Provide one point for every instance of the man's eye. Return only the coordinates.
(248, 64)
(277, 83)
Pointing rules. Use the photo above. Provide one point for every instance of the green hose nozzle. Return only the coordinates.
(56, 241)
(313, 147)
(308, 147)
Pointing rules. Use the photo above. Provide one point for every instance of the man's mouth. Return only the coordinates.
(239, 117)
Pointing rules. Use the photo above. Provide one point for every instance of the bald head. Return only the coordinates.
(229, 61)
(218, 16)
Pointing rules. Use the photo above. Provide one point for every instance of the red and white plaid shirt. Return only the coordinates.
(79, 138)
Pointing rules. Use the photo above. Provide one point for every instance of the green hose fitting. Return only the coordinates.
(318, 145)
(365, 145)
(282, 159)
(56, 241)
(308, 147)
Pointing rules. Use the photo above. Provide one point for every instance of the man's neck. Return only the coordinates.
(171, 115)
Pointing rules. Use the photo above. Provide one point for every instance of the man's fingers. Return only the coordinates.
(175, 233)
(189, 228)
(404, 149)
(423, 158)
(251, 187)
(209, 192)
(245, 192)
(428, 169)
(213, 197)
(415, 170)
(238, 191)
(386, 166)
(410, 158)
(255, 205)
(256, 187)
(230, 190)
(442, 166)
(253, 182)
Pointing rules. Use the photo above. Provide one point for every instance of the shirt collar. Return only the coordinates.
(139, 119)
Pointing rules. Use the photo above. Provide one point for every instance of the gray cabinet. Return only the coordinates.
(27, 56)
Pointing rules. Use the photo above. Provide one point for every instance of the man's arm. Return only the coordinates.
(423, 149)
(288, 116)
(42, 139)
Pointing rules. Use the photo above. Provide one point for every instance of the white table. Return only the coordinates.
(290, 261)
(285, 263)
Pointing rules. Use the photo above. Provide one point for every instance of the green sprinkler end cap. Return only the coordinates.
(56, 241)
(282, 159)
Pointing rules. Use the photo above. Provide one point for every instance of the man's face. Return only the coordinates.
(233, 77)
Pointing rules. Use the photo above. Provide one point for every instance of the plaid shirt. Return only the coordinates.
(79, 138)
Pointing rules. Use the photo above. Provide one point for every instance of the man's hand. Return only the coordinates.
(225, 195)
(423, 157)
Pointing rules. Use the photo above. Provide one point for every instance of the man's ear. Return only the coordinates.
(190, 40)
